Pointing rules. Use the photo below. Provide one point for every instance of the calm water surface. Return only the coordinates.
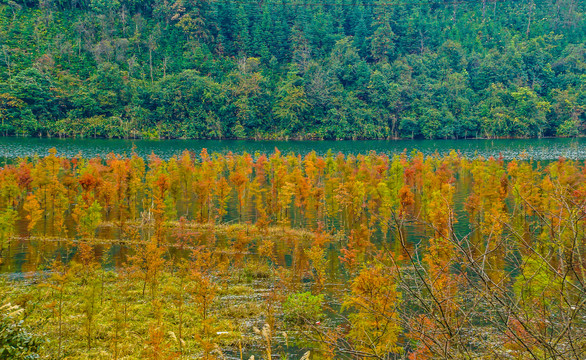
(537, 149)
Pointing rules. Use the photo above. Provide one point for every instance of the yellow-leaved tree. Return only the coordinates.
(375, 322)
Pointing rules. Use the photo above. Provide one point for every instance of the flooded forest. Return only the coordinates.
(287, 256)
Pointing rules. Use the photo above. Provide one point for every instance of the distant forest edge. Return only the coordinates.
(286, 69)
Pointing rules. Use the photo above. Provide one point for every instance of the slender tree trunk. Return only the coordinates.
(530, 16)
(165, 66)
(151, 64)
(7, 61)
(181, 317)
(116, 329)
(60, 319)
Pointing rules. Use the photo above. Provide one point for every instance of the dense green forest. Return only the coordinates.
(291, 69)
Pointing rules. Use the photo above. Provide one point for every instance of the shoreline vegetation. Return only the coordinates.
(293, 139)
(289, 256)
(191, 69)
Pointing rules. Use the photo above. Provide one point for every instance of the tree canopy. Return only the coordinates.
(288, 69)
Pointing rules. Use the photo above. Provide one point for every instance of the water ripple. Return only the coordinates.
(537, 149)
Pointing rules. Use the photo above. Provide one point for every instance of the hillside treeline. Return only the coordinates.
(289, 69)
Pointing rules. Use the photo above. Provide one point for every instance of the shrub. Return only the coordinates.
(16, 342)
(303, 308)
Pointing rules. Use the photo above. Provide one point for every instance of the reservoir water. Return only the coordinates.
(537, 149)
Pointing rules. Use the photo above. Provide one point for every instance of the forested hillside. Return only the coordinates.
(343, 69)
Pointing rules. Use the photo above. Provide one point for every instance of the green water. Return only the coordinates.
(538, 149)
